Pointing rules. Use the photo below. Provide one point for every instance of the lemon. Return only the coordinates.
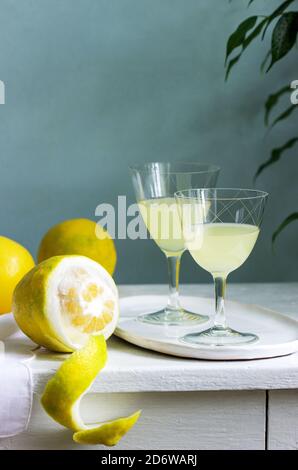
(65, 299)
(79, 237)
(64, 391)
(15, 261)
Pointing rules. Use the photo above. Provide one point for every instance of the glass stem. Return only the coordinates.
(220, 321)
(174, 270)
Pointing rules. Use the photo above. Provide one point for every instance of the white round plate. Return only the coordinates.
(278, 334)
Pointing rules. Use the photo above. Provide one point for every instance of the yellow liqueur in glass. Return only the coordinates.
(155, 184)
(220, 243)
(162, 220)
(222, 248)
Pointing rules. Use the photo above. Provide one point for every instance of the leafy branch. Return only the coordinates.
(283, 36)
(283, 39)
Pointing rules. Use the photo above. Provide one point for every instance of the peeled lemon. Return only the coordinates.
(64, 300)
(79, 237)
(64, 391)
(15, 261)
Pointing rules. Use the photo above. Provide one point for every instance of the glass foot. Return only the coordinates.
(219, 337)
(173, 317)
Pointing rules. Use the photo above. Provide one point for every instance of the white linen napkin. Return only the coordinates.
(15, 397)
(16, 389)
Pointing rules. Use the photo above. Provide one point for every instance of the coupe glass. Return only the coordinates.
(155, 185)
(220, 238)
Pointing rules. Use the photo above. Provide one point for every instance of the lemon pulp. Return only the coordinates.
(86, 305)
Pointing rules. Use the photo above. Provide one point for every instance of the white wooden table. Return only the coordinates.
(187, 404)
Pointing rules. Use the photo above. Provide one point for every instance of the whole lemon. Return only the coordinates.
(79, 237)
(15, 262)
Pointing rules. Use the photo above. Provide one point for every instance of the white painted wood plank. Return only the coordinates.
(132, 369)
(190, 420)
(283, 420)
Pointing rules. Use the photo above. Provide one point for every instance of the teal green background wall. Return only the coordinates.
(94, 85)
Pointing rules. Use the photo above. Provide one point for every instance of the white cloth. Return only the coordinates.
(15, 397)
(16, 390)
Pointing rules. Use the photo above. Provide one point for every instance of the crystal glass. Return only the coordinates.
(155, 184)
(220, 228)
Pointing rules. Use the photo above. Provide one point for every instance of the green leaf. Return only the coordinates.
(276, 154)
(231, 64)
(276, 13)
(247, 40)
(237, 37)
(254, 34)
(288, 220)
(272, 100)
(283, 115)
(283, 36)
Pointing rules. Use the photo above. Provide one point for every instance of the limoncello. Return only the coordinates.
(162, 220)
(220, 248)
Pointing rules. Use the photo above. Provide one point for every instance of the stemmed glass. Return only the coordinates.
(155, 184)
(220, 240)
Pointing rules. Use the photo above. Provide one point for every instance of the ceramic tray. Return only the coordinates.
(278, 334)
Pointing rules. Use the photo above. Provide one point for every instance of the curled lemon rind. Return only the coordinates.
(64, 391)
(109, 433)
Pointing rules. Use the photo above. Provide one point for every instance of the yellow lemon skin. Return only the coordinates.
(108, 434)
(79, 237)
(29, 306)
(72, 379)
(15, 262)
(62, 395)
